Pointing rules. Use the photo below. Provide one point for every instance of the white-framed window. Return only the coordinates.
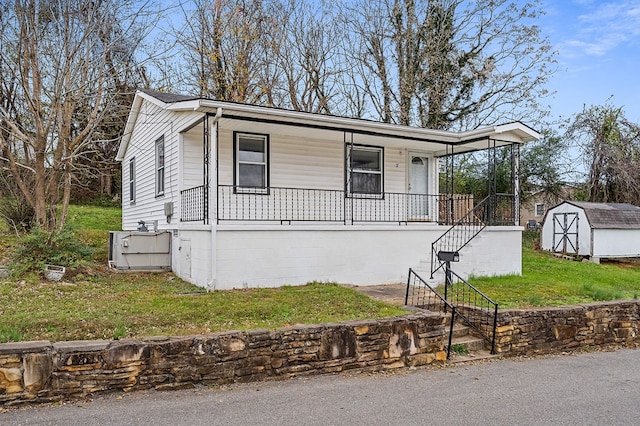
(365, 170)
(539, 210)
(251, 152)
(160, 166)
(132, 180)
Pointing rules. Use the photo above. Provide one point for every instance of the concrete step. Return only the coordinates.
(471, 343)
(472, 356)
(475, 348)
(459, 330)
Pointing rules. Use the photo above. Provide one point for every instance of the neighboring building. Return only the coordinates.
(596, 230)
(535, 204)
(260, 197)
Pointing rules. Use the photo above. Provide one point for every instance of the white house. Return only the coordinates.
(597, 230)
(257, 196)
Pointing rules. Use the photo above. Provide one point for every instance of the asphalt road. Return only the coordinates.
(601, 388)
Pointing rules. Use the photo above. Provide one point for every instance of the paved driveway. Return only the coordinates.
(601, 388)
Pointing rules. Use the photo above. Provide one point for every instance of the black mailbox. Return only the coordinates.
(448, 256)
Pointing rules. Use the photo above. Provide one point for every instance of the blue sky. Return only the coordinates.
(598, 44)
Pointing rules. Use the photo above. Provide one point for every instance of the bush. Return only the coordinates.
(17, 213)
(40, 247)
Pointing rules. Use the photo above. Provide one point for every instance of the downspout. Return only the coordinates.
(211, 285)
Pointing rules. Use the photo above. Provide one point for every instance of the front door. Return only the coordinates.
(565, 233)
(418, 187)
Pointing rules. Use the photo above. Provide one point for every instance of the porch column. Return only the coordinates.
(205, 169)
(492, 180)
(515, 164)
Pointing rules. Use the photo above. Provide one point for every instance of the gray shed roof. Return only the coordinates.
(610, 215)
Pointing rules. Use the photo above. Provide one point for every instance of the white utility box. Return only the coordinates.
(140, 251)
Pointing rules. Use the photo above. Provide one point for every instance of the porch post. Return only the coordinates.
(515, 164)
(347, 205)
(205, 170)
(449, 202)
(492, 180)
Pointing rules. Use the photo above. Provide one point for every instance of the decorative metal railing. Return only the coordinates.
(473, 307)
(496, 210)
(422, 295)
(192, 206)
(287, 205)
(461, 299)
(279, 204)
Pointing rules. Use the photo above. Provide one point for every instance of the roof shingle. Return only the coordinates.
(610, 215)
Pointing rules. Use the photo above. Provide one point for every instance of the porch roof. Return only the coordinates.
(439, 142)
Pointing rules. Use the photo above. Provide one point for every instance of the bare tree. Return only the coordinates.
(226, 46)
(308, 53)
(610, 147)
(449, 63)
(368, 53)
(65, 56)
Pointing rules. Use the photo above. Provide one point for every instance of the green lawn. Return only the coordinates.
(550, 281)
(135, 305)
(95, 303)
(92, 225)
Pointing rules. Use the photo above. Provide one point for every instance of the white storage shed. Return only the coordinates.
(597, 230)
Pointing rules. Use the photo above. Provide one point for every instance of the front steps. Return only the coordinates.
(467, 347)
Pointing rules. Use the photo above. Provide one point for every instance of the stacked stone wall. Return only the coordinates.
(549, 330)
(41, 371)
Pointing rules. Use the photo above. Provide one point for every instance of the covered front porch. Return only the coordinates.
(313, 180)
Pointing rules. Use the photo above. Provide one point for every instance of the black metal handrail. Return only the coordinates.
(423, 296)
(192, 205)
(492, 210)
(476, 309)
(462, 299)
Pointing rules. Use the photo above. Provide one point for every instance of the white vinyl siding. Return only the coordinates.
(315, 161)
(193, 158)
(152, 121)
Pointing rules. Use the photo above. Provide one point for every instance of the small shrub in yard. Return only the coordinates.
(16, 213)
(39, 247)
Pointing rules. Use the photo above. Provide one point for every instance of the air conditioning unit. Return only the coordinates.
(140, 251)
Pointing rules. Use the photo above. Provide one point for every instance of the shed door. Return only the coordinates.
(565, 233)
(418, 187)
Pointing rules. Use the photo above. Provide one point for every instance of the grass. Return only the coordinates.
(92, 225)
(459, 349)
(550, 281)
(97, 304)
(116, 306)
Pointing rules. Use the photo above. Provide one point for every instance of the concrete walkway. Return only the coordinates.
(390, 293)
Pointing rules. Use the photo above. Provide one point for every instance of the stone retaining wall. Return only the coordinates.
(40, 371)
(548, 330)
